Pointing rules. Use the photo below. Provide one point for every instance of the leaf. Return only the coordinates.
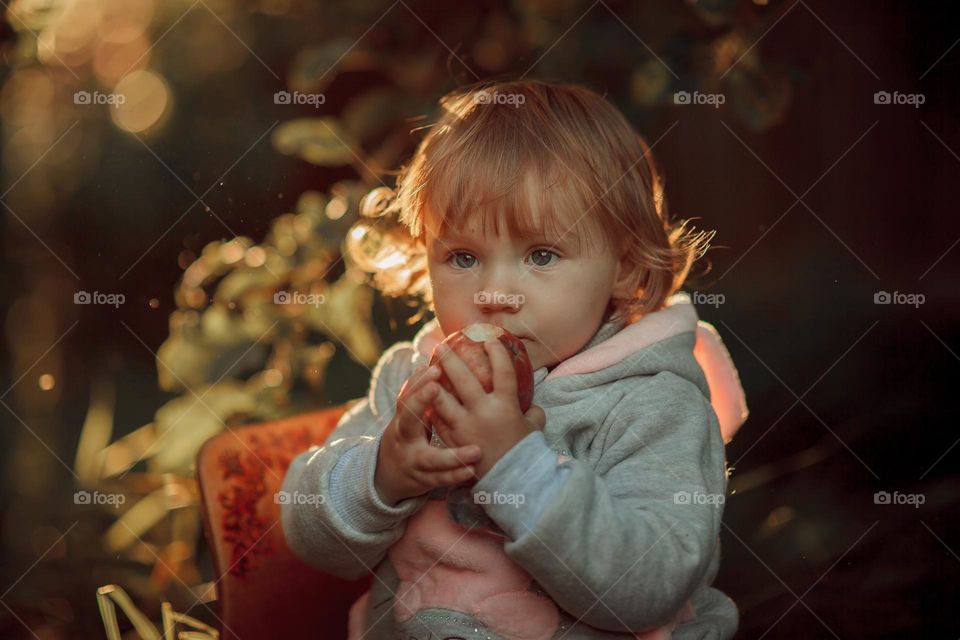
(185, 423)
(182, 362)
(128, 450)
(237, 283)
(319, 141)
(136, 521)
(96, 432)
(228, 344)
(376, 111)
(346, 315)
(649, 82)
(111, 596)
(314, 68)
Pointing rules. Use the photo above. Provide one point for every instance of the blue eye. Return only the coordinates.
(455, 258)
(541, 252)
(464, 260)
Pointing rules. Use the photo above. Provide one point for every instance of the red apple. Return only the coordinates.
(468, 344)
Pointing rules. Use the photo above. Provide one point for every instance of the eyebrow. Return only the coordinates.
(451, 238)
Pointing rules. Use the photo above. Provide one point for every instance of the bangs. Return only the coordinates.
(494, 166)
(535, 204)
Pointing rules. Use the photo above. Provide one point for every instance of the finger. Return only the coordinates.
(446, 433)
(449, 478)
(536, 416)
(504, 373)
(418, 378)
(449, 409)
(434, 459)
(410, 413)
(465, 383)
(442, 429)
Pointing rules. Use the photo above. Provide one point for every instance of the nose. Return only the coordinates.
(490, 302)
(496, 295)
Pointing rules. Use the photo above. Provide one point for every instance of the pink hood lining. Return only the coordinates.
(678, 316)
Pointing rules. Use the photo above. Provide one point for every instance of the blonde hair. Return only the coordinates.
(550, 158)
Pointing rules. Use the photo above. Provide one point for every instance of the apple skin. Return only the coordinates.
(468, 344)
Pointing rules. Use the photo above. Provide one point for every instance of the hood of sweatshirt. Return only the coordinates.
(646, 347)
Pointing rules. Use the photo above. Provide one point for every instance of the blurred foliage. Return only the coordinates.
(257, 322)
(251, 338)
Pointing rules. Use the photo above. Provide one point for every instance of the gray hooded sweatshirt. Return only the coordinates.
(603, 525)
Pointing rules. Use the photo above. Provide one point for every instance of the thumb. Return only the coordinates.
(536, 416)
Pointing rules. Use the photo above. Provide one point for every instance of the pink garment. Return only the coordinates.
(444, 564)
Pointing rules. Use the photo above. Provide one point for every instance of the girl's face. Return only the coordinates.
(552, 297)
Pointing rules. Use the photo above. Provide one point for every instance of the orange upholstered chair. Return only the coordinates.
(264, 591)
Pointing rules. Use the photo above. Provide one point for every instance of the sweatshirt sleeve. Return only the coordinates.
(333, 517)
(622, 546)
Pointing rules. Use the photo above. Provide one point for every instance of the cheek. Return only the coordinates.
(451, 302)
(443, 288)
(583, 292)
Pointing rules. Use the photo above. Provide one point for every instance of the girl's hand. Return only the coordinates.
(492, 420)
(407, 465)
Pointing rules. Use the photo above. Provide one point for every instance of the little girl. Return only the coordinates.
(596, 514)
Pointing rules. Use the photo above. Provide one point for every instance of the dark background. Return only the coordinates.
(847, 397)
